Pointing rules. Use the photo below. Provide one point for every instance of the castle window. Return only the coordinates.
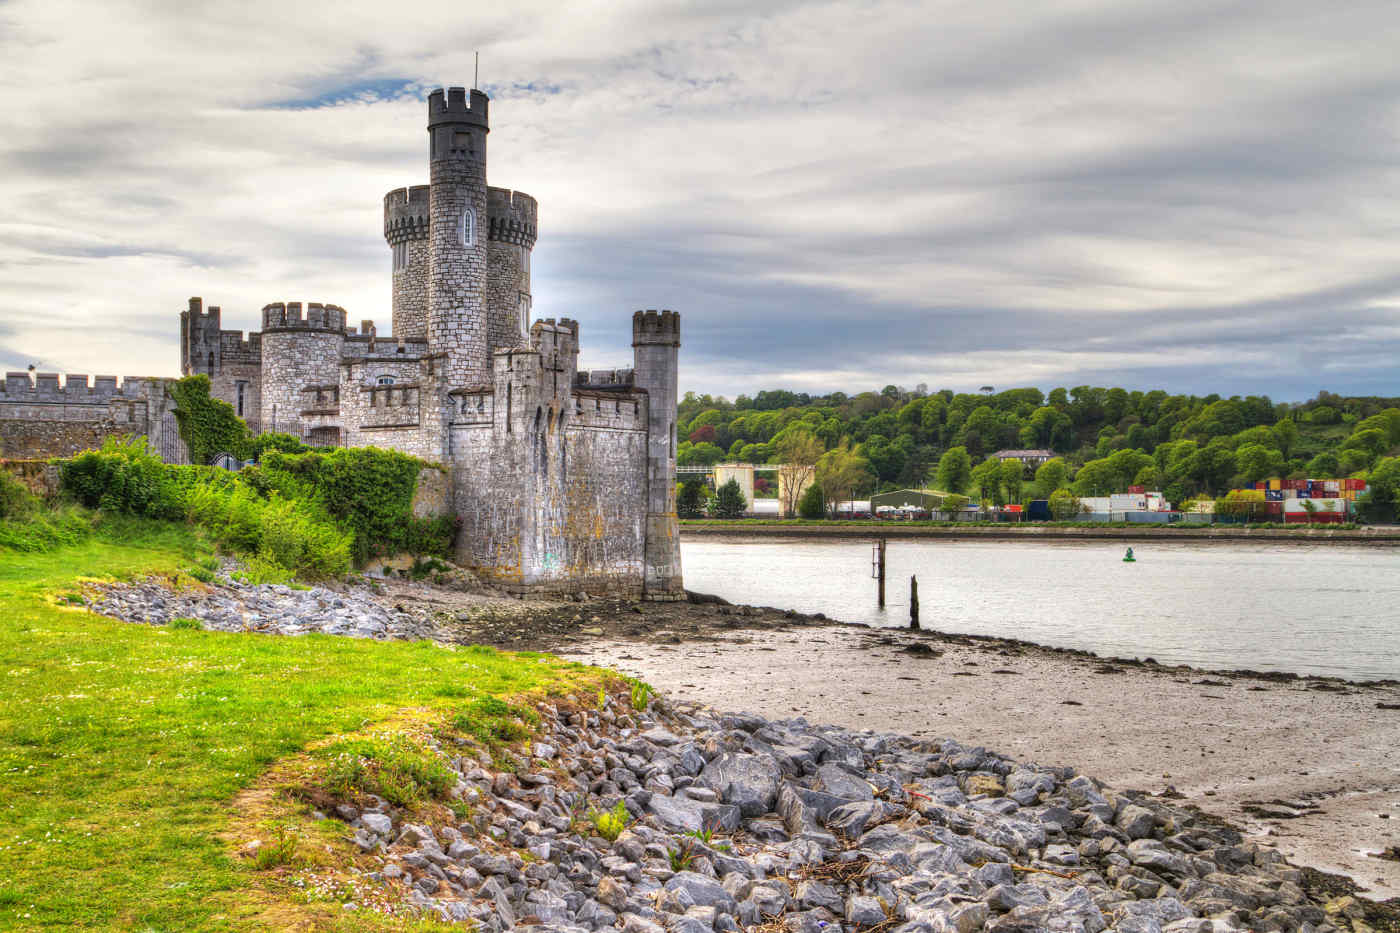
(241, 388)
(384, 380)
(400, 256)
(468, 230)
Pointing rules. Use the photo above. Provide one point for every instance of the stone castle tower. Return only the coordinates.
(562, 480)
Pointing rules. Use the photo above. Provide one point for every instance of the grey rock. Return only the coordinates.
(702, 891)
(749, 782)
(812, 894)
(837, 781)
(611, 893)
(632, 923)
(1149, 853)
(851, 819)
(864, 911)
(1136, 822)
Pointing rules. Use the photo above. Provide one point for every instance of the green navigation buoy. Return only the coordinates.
(1128, 558)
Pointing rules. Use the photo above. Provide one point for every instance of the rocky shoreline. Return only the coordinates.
(739, 822)
(645, 636)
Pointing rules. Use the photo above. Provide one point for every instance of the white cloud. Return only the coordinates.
(876, 177)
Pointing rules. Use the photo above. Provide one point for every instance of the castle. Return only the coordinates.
(562, 480)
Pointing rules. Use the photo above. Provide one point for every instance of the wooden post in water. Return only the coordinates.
(913, 602)
(882, 572)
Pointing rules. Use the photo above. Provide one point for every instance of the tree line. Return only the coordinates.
(1103, 440)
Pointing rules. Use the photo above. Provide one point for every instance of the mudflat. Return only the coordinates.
(1311, 764)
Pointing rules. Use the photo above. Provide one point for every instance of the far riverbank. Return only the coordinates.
(1383, 535)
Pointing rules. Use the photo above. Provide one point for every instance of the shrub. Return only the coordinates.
(185, 622)
(729, 501)
(366, 489)
(811, 504)
(690, 501)
(124, 476)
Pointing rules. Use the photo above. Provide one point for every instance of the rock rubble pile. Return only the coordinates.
(738, 822)
(232, 606)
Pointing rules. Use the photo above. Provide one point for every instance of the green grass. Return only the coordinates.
(123, 746)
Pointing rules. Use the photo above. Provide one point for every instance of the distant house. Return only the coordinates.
(1031, 458)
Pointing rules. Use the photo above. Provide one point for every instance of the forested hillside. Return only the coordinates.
(1106, 439)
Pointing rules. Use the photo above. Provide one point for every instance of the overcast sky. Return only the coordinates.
(1195, 196)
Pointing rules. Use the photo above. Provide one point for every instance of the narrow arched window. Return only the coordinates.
(468, 230)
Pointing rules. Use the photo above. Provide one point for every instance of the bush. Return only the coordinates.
(366, 489)
(729, 501)
(690, 501)
(124, 476)
(811, 504)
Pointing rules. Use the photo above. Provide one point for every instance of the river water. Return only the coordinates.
(1330, 610)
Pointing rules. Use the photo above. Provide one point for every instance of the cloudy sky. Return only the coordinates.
(1196, 196)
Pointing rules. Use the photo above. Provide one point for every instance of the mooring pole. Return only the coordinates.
(882, 573)
(913, 601)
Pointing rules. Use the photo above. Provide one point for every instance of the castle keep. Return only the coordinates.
(562, 479)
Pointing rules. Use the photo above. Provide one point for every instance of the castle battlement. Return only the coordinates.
(406, 214)
(605, 378)
(513, 217)
(454, 106)
(74, 389)
(653, 327)
(290, 316)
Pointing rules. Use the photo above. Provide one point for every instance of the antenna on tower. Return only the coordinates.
(476, 72)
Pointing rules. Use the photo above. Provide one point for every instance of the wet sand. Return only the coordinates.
(1311, 765)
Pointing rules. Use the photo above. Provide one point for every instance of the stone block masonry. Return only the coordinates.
(52, 416)
(562, 481)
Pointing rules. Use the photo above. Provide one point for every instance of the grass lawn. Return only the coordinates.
(122, 746)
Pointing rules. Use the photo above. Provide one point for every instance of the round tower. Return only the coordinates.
(300, 351)
(458, 326)
(512, 226)
(406, 230)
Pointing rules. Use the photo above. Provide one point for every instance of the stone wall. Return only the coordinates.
(53, 417)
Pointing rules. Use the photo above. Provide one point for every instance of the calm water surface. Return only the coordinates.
(1312, 610)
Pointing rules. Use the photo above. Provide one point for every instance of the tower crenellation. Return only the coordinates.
(290, 315)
